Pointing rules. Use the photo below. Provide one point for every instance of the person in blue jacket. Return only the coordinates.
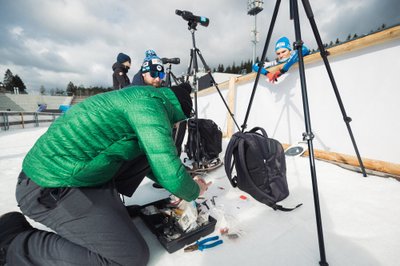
(285, 55)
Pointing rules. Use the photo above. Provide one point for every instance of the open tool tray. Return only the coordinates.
(155, 223)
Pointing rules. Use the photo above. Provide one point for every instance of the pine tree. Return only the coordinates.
(42, 90)
(249, 66)
(71, 89)
(17, 82)
(8, 80)
(59, 92)
(233, 69)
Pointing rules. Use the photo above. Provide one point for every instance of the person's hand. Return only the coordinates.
(277, 74)
(271, 77)
(203, 185)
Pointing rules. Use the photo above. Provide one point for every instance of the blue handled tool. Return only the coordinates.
(200, 245)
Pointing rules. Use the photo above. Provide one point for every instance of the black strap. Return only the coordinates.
(255, 129)
(281, 208)
(232, 146)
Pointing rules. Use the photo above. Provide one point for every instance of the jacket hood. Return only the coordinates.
(118, 65)
(178, 112)
(137, 79)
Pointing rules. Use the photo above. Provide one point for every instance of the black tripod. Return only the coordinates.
(193, 69)
(308, 135)
(169, 74)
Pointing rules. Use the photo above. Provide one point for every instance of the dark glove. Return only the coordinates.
(277, 74)
(274, 77)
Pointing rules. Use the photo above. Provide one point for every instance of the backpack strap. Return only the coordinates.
(255, 129)
(243, 165)
(232, 146)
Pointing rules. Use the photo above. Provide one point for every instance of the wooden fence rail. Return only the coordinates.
(12, 118)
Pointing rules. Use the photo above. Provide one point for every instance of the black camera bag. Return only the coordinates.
(210, 139)
(260, 167)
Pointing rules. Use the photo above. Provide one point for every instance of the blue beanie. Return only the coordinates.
(152, 62)
(121, 58)
(283, 42)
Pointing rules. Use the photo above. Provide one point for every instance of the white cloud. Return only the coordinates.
(17, 31)
(53, 42)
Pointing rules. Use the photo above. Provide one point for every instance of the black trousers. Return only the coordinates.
(91, 225)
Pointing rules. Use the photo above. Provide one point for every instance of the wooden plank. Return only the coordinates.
(230, 127)
(375, 165)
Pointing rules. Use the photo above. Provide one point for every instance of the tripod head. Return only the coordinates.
(174, 60)
(169, 62)
(192, 19)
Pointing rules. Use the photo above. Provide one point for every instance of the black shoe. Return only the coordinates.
(11, 224)
(133, 210)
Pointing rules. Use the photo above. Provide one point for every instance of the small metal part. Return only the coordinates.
(213, 200)
(205, 204)
(232, 236)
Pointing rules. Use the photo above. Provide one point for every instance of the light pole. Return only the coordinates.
(253, 8)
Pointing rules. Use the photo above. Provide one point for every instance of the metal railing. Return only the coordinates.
(21, 119)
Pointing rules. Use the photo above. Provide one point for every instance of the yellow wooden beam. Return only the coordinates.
(230, 127)
(375, 165)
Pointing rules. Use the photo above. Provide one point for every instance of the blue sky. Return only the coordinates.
(53, 42)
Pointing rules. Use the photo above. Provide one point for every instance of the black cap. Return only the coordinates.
(121, 58)
(182, 93)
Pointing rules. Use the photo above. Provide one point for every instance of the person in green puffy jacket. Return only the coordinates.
(72, 177)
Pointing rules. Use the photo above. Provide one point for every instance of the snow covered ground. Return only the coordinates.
(360, 216)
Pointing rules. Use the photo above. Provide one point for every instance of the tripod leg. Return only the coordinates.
(216, 86)
(324, 55)
(190, 66)
(175, 78)
(193, 65)
(271, 28)
(308, 135)
(196, 117)
(168, 78)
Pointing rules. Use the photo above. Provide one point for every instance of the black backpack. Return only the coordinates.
(260, 167)
(210, 140)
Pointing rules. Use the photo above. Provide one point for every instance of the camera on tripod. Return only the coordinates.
(174, 60)
(188, 16)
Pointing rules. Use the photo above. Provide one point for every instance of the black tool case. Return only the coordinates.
(155, 223)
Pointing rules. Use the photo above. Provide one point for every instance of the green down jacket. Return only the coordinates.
(87, 145)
